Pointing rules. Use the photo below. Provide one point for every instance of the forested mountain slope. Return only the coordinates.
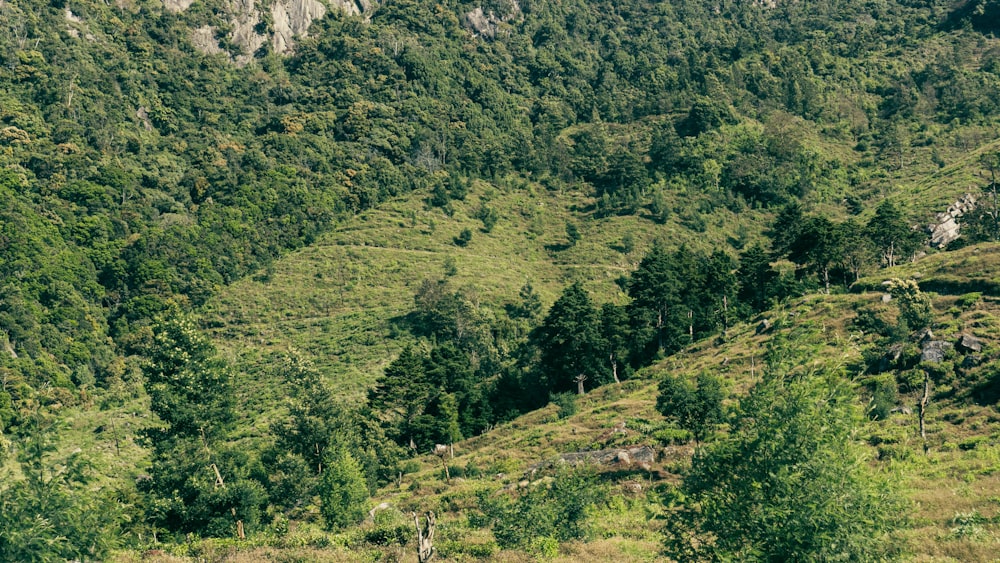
(265, 248)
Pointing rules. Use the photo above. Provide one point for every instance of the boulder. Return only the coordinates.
(934, 351)
(946, 227)
(968, 344)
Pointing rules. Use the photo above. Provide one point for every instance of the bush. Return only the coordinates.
(554, 510)
(464, 237)
(566, 403)
(672, 436)
(764, 492)
(883, 397)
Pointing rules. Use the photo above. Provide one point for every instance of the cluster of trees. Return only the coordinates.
(485, 366)
(137, 176)
(171, 173)
(208, 478)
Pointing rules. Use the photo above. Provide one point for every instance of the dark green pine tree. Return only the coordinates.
(818, 248)
(402, 394)
(569, 344)
(449, 371)
(658, 312)
(757, 279)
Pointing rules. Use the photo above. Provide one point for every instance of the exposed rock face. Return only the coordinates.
(968, 343)
(288, 19)
(934, 351)
(177, 6)
(946, 227)
(635, 457)
(143, 114)
(204, 40)
(487, 23)
(293, 17)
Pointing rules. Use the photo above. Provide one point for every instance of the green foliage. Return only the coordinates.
(695, 407)
(51, 512)
(891, 234)
(342, 491)
(568, 342)
(764, 493)
(572, 233)
(463, 237)
(883, 391)
(199, 480)
(677, 296)
(433, 399)
(138, 177)
(489, 216)
(914, 306)
(556, 509)
(565, 404)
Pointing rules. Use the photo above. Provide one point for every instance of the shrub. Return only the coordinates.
(555, 510)
(566, 403)
(463, 238)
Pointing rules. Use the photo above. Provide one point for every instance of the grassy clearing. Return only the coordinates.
(337, 301)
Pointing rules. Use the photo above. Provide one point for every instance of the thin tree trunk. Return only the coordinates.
(923, 406)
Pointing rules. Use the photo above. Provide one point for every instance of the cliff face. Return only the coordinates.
(252, 24)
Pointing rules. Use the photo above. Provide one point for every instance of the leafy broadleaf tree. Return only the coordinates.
(791, 482)
(695, 407)
(200, 482)
(891, 235)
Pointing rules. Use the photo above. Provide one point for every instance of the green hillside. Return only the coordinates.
(342, 300)
(258, 259)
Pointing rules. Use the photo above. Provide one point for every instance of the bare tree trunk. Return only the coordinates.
(614, 369)
(923, 405)
(579, 383)
(425, 538)
(114, 430)
(441, 451)
(691, 325)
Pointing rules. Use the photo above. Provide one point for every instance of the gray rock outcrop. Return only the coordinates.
(288, 20)
(487, 23)
(969, 344)
(946, 227)
(934, 351)
(634, 457)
